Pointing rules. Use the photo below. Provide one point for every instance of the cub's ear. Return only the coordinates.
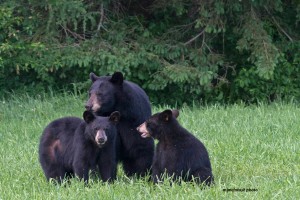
(175, 113)
(88, 116)
(117, 78)
(166, 115)
(93, 77)
(115, 117)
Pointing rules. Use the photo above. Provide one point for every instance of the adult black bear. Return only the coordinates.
(178, 152)
(110, 93)
(71, 145)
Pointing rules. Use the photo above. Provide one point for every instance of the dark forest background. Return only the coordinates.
(179, 51)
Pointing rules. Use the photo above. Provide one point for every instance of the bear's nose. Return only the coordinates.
(101, 140)
(88, 107)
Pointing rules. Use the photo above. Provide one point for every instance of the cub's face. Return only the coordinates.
(150, 127)
(101, 129)
(102, 93)
(157, 123)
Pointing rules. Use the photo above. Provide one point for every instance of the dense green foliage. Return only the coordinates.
(251, 147)
(178, 50)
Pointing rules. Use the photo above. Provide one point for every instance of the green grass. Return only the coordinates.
(253, 147)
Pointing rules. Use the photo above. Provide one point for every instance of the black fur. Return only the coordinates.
(69, 146)
(114, 93)
(178, 152)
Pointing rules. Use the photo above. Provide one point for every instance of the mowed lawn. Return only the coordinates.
(251, 147)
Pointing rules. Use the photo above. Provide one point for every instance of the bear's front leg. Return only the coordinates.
(82, 172)
(81, 166)
(107, 164)
(156, 173)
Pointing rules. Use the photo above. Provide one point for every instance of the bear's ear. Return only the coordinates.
(175, 113)
(93, 77)
(115, 117)
(88, 116)
(166, 115)
(117, 78)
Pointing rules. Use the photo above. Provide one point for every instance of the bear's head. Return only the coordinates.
(100, 129)
(158, 124)
(103, 92)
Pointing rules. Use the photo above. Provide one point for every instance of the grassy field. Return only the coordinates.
(251, 147)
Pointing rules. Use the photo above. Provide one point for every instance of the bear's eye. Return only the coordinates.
(148, 123)
(101, 129)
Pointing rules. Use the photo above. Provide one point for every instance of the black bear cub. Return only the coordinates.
(178, 152)
(71, 146)
(112, 93)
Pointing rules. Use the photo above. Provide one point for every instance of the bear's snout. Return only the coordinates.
(143, 130)
(93, 104)
(88, 107)
(101, 138)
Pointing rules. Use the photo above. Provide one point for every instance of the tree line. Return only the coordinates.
(179, 51)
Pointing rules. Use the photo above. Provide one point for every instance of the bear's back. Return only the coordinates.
(195, 151)
(138, 101)
(62, 128)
